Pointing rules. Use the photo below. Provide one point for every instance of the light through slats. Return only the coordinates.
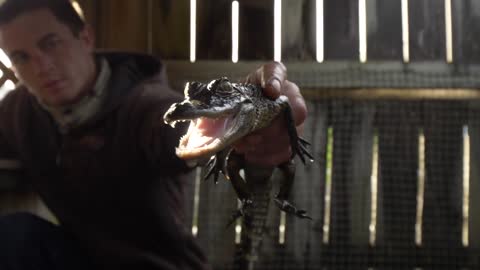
(78, 9)
(466, 186)
(238, 226)
(448, 31)
(282, 228)
(320, 30)
(328, 186)
(235, 28)
(374, 192)
(362, 28)
(196, 201)
(6, 87)
(238, 231)
(193, 30)
(405, 32)
(277, 31)
(5, 60)
(421, 188)
(238, 222)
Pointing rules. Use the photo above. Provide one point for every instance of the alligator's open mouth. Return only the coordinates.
(205, 136)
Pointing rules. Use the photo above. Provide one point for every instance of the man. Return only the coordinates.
(87, 128)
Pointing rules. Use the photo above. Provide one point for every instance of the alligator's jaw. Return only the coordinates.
(205, 136)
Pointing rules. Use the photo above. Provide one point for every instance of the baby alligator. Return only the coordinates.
(221, 113)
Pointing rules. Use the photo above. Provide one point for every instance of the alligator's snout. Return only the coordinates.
(178, 111)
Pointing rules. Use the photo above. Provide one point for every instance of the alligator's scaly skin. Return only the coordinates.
(227, 112)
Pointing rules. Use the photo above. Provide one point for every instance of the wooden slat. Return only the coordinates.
(427, 30)
(341, 30)
(352, 125)
(123, 24)
(298, 25)
(214, 29)
(442, 223)
(474, 199)
(217, 203)
(361, 171)
(303, 239)
(466, 31)
(256, 30)
(384, 27)
(398, 132)
(189, 197)
(170, 28)
(344, 124)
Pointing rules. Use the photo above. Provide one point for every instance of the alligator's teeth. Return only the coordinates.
(172, 124)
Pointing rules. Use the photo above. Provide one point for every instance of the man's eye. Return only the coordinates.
(50, 44)
(19, 59)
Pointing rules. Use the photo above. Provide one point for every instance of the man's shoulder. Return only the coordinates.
(141, 64)
(152, 96)
(143, 75)
(15, 99)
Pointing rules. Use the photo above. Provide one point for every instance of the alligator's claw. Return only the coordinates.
(303, 141)
(214, 167)
(234, 217)
(240, 212)
(301, 149)
(287, 207)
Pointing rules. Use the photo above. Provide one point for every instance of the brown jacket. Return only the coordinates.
(115, 182)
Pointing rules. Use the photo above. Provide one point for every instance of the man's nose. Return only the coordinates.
(42, 64)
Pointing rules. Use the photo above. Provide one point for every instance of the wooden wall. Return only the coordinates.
(163, 27)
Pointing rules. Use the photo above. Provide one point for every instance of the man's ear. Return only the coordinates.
(87, 35)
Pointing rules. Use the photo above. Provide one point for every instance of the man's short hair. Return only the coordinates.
(61, 9)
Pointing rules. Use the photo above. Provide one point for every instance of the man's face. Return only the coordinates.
(54, 64)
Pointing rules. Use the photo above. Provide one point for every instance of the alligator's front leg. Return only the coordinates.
(235, 163)
(298, 144)
(217, 165)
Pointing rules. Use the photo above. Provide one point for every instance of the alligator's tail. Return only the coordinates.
(255, 216)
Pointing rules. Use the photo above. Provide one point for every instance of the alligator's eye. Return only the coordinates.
(247, 101)
(226, 88)
(197, 90)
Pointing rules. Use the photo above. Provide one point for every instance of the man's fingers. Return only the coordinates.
(274, 75)
(273, 88)
(297, 103)
(248, 143)
(271, 77)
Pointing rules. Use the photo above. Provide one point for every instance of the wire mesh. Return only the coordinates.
(417, 148)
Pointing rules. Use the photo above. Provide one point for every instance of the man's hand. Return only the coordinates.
(271, 146)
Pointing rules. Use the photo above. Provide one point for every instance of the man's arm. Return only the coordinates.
(10, 166)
